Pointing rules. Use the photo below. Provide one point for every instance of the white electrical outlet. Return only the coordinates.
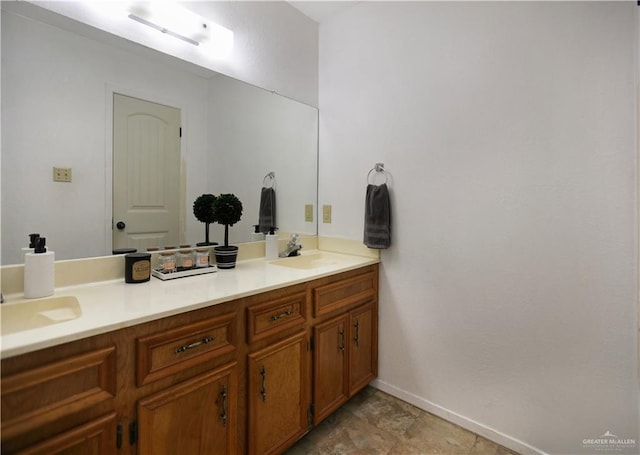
(62, 174)
(326, 213)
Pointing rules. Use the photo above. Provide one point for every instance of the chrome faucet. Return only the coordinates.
(293, 247)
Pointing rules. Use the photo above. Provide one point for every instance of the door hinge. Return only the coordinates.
(180, 131)
(133, 432)
(119, 436)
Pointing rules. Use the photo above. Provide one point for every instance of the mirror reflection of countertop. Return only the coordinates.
(111, 305)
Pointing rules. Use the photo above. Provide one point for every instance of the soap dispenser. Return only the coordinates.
(32, 245)
(271, 244)
(39, 272)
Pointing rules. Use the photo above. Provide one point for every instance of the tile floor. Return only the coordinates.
(375, 423)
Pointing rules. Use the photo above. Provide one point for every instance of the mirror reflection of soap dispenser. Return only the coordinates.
(271, 245)
(256, 235)
(39, 271)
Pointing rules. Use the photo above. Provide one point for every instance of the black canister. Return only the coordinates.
(137, 267)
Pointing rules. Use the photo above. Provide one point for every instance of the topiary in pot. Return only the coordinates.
(227, 210)
(203, 211)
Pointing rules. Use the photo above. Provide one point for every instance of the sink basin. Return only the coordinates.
(306, 261)
(32, 314)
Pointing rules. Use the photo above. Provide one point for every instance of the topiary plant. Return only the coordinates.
(203, 211)
(227, 210)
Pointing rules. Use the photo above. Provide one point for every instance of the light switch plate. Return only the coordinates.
(62, 174)
(308, 212)
(326, 213)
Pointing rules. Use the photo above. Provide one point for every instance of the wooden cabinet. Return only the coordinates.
(196, 416)
(59, 403)
(345, 358)
(165, 353)
(146, 389)
(246, 376)
(330, 367)
(342, 294)
(95, 437)
(363, 347)
(271, 317)
(278, 404)
(345, 346)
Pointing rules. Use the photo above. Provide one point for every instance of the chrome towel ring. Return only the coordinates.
(269, 180)
(376, 172)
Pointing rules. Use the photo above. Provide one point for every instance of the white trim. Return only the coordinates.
(466, 423)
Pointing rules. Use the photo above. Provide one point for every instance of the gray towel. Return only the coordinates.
(267, 215)
(377, 217)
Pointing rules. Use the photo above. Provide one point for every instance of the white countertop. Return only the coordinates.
(112, 305)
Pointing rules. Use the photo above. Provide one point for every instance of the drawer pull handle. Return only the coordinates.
(223, 395)
(341, 347)
(194, 344)
(356, 326)
(263, 387)
(281, 315)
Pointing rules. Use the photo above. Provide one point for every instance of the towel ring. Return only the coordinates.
(269, 180)
(378, 169)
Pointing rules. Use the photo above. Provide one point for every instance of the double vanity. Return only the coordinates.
(239, 361)
(233, 362)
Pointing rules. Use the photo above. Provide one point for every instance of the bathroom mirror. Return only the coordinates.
(57, 111)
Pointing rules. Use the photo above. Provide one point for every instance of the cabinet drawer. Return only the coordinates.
(56, 390)
(169, 352)
(95, 437)
(268, 318)
(343, 294)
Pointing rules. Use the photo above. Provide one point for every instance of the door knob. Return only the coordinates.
(120, 225)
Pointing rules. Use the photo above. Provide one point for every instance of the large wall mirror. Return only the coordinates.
(58, 88)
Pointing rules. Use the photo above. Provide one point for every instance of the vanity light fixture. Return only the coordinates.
(164, 29)
(174, 20)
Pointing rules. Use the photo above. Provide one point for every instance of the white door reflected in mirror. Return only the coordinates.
(146, 167)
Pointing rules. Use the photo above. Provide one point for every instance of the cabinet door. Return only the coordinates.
(96, 437)
(363, 347)
(331, 388)
(197, 416)
(278, 402)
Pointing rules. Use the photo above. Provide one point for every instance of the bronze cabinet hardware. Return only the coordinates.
(356, 327)
(223, 395)
(263, 390)
(194, 344)
(289, 312)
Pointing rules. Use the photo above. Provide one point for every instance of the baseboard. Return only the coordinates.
(466, 423)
